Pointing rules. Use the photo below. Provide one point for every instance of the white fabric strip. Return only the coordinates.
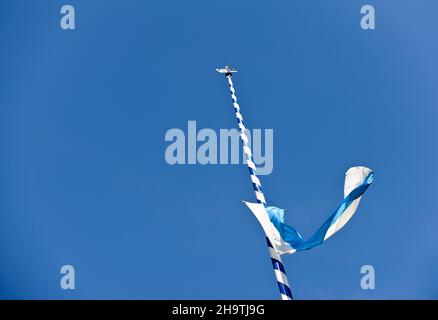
(255, 180)
(284, 297)
(260, 196)
(280, 276)
(251, 164)
(247, 151)
(244, 138)
(271, 232)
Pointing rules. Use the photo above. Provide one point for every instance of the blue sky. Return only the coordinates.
(83, 179)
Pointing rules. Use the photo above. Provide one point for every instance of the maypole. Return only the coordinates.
(277, 264)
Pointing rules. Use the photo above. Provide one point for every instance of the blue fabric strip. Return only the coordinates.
(295, 240)
(284, 289)
(278, 265)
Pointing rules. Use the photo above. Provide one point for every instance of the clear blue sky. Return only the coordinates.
(83, 114)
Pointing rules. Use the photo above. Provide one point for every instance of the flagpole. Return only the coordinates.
(277, 264)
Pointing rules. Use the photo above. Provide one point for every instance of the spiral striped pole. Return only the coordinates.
(277, 264)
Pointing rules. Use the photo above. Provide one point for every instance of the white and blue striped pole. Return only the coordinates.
(277, 264)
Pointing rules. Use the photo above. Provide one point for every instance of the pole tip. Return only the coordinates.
(226, 70)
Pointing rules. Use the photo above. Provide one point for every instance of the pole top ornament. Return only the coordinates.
(226, 70)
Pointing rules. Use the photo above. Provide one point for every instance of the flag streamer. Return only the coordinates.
(286, 239)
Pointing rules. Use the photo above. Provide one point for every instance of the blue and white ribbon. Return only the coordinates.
(286, 239)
